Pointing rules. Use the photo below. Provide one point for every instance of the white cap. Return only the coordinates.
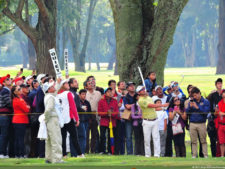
(174, 83)
(27, 78)
(158, 87)
(47, 85)
(39, 77)
(62, 82)
(139, 88)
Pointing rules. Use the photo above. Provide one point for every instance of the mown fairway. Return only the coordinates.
(114, 162)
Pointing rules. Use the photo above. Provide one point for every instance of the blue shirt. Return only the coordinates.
(40, 107)
(128, 99)
(199, 115)
(149, 85)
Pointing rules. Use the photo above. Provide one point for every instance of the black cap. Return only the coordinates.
(219, 80)
(24, 85)
(107, 89)
(130, 83)
(34, 81)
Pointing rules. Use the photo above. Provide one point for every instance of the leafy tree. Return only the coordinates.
(43, 35)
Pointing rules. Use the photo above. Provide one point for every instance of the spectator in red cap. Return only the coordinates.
(5, 109)
(19, 80)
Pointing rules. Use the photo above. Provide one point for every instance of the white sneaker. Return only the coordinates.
(2, 156)
(147, 156)
(206, 157)
(6, 156)
(81, 156)
(193, 157)
(157, 156)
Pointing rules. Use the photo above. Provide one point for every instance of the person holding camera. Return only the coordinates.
(136, 116)
(198, 109)
(178, 116)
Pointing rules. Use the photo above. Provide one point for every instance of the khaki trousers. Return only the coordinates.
(53, 145)
(198, 129)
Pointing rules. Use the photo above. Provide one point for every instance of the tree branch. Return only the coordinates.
(8, 30)
(25, 27)
(26, 12)
(20, 8)
(43, 11)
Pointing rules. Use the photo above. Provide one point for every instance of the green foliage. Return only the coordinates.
(199, 18)
(3, 4)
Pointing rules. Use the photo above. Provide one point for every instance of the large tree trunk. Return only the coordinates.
(44, 62)
(221, 45)
(116, 68)
(144, 34)
(46, 40)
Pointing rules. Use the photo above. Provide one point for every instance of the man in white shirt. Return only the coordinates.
(93, 97)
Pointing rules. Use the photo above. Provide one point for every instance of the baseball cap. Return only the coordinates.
(18, 79)
(40, 76)
(130, 83)
(47, 85)
(62, 82)
(107, 89)
(174, 84)
(140, 88)
(28, 77)
(24, 86)
(4, 78)
(157, 87)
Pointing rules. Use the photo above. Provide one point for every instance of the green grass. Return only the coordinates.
(103, 161)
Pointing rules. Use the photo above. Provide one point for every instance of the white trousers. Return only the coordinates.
(151, 128)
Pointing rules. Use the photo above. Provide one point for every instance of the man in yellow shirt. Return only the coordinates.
(150, 123)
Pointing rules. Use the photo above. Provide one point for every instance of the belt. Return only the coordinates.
(222, 123)
(150, 119)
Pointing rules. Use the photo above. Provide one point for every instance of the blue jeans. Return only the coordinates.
(129, 130)
(4, 131)
(82, 130)
(20, 130)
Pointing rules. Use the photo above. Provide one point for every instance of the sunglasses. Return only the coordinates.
(7, 79)
(176, 100)
(18, 89)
